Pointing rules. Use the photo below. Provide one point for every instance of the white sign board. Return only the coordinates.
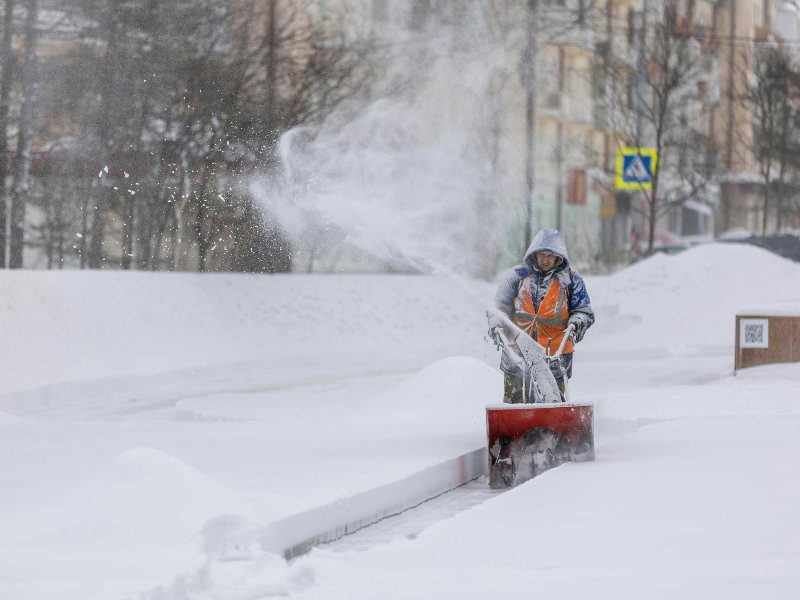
(754, 333)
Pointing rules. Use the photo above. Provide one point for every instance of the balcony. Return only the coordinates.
(707, 38)
(576, 109)
(681, 24)
(600, 115)
(581, 38)
(579, 108)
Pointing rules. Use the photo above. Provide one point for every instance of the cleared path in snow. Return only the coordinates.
(410, 523)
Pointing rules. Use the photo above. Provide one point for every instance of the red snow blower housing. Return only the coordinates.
(545, 431)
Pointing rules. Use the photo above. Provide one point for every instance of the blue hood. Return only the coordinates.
(548, 240)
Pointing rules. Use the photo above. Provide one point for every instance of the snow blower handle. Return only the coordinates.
(567, 335)
(499, 327)
(538, 382)
(499, 324)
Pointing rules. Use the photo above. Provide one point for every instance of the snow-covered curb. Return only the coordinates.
(243, 555)
(298, 533)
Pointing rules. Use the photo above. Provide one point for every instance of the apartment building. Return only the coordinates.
(741, 25)
(588, 109)
(585, 74)
(488, 45)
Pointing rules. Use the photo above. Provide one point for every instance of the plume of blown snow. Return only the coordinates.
(410, 179)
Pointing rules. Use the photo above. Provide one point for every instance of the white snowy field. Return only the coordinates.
(139, 410)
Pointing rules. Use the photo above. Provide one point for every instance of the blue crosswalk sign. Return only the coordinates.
(635, 168)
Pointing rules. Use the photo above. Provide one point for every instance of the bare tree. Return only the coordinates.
(22, 164)
(163, 109)
(667, 112)
(58, 197)
(6, 79)
(294, 67)
(545, 24)
(115, 102)
(771, 98)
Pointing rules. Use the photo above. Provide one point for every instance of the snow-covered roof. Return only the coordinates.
(741, 177)
(777, 309)
(737, 233)
(700, 207)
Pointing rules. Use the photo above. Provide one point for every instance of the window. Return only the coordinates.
(420, 12)
(380, 11)
(758, 13)
(630, 91)
(703, 14)
(631, 26)
(599, 81)
(576, 186)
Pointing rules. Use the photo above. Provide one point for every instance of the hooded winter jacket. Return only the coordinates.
(541, 302)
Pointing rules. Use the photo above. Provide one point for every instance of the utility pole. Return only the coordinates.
(21, 188)
(559, 174)
(640, 70)
(559, 153)
(7, 67)
(640, 100)
(529, 56)
(271, 61)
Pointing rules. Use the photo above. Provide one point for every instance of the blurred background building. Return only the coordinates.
(129, 131)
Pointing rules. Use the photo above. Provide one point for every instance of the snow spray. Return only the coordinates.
(410, 182)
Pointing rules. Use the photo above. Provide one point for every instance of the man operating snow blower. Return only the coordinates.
(546, 299)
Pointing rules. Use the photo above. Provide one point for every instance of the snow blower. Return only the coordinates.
(544, 431)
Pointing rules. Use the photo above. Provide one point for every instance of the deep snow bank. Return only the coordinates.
(70, 326)
(686, 303)
(139, 498)
(67, 326)
(450, 391)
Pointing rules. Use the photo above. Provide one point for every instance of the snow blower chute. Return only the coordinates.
(544, 431)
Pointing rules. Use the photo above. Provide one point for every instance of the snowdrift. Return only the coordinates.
(68, 326)
(141, 498)
(101, 503)
(685, 303)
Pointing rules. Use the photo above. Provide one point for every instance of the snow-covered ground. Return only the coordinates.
(153, 427)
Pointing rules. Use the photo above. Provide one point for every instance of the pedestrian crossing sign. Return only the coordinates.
(635, 168)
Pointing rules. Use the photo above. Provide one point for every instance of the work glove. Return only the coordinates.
(495, 323)
(580, 323)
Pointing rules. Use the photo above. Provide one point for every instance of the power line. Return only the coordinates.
(622, 25)
(620, 30)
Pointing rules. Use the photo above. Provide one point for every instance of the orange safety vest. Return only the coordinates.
(548, 324)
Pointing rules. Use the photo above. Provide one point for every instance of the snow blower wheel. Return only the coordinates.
(502, 469)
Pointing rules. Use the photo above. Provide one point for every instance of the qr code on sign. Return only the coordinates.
(754, 333)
